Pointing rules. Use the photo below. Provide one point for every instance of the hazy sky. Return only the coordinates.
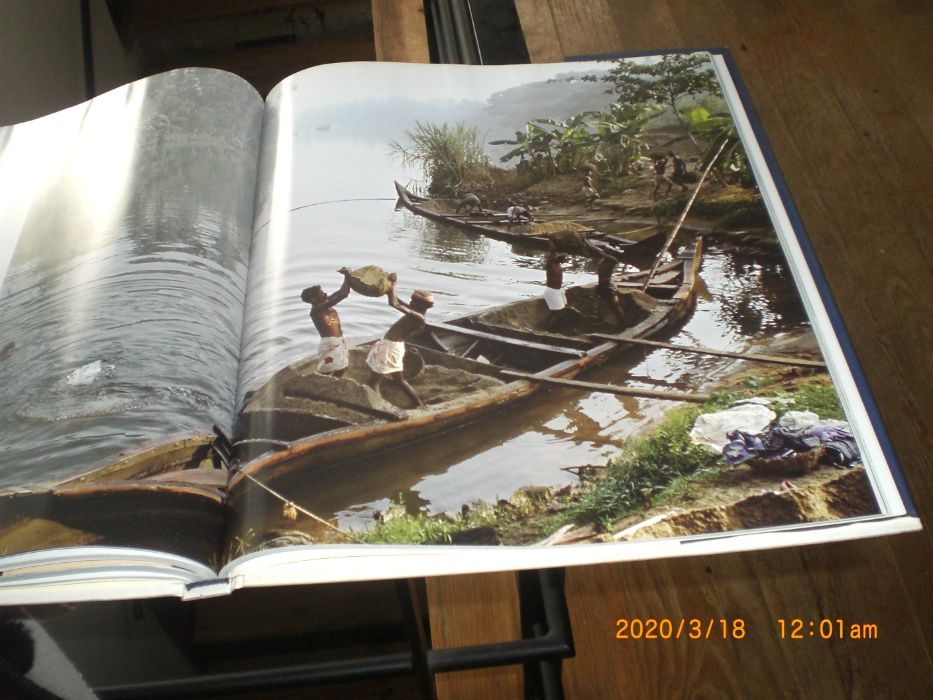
(348, 82)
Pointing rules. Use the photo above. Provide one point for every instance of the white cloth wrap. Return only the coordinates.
(555, 298)
(385, 356)
(333, 355)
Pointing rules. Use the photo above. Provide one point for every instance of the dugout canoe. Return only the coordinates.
(642, 238)
(163, 496)
(301, 421)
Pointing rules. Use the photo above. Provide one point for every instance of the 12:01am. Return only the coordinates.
(796, 628)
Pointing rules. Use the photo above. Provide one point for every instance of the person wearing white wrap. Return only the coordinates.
(386, 357)
(332, 350)
(554, 295)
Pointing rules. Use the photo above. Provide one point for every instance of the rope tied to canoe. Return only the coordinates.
(290, 508)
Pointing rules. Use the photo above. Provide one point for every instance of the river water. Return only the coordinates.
(151, 355)
(741, 299)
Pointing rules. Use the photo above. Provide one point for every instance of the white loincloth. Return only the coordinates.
(555, 298)
(385, 356)
(333, 355)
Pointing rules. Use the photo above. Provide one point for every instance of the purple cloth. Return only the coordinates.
(776, 441)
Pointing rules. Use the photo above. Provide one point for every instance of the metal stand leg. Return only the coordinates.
(546, 639)
(544, 615)
(418, 636)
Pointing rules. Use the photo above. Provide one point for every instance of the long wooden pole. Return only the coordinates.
(611, 388)
(796, 361)
(683, 217)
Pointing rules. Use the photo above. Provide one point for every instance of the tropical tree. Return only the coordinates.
(665, 82)
(450, 156)
(718, 129)
(572, 141)
(619, 135)
(610, 140)
(532, 148)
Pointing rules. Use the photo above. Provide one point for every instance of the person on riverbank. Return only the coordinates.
(679, 173)
(554, 295)
(386, 356)
(332, 350)
(518, 214)
(471, 203)
(590, 195)
(660, 165)
(605, 268)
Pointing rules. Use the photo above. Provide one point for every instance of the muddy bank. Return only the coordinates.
(829, 494)
(694, 498)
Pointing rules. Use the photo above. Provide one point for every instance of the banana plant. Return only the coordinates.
(717, 129)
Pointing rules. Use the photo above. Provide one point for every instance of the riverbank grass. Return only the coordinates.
(656, 469)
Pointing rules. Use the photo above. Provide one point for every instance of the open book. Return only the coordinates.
(606, 337)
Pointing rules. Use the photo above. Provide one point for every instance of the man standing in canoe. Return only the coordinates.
(604, 269)
(386, 356)
(332, 351)
(554, 295)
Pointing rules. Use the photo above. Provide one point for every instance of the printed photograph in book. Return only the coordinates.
(123, 260)
(535, 305)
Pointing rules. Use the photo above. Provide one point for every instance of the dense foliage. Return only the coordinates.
(609, 141)
(452, 157)
(665, 82)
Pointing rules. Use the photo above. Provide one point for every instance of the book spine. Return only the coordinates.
(209, 588)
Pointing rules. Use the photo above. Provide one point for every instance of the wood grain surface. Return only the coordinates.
(844, 95)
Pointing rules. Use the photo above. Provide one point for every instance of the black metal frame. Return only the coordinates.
(451, 32)
(547, 639)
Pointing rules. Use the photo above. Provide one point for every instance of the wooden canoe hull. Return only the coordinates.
(645, 244)
(302, 457)
(184, 520)
(148, 498)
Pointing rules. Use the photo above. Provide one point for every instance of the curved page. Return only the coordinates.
(679, 299)
(629, 347)
(124, 240)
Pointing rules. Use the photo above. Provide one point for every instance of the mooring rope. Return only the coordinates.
(287, 503)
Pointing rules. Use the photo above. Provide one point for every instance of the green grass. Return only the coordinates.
(451, 155)
(644, 465)
(617, 185)
(401, 527)
(731, 211)
(661, 467)
(665, 465)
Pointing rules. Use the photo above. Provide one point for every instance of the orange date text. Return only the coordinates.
(680, 628)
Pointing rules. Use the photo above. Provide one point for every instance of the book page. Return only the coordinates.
(605, 331)
(124, 241)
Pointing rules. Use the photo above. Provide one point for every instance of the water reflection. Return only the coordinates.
(123, 299)
(534, 442)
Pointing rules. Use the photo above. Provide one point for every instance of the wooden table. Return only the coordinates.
(844, 95)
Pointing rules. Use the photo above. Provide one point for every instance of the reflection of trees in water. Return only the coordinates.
(445, 243)
(190, 181)
(759, 294)
(195, 166)
(136, 261)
